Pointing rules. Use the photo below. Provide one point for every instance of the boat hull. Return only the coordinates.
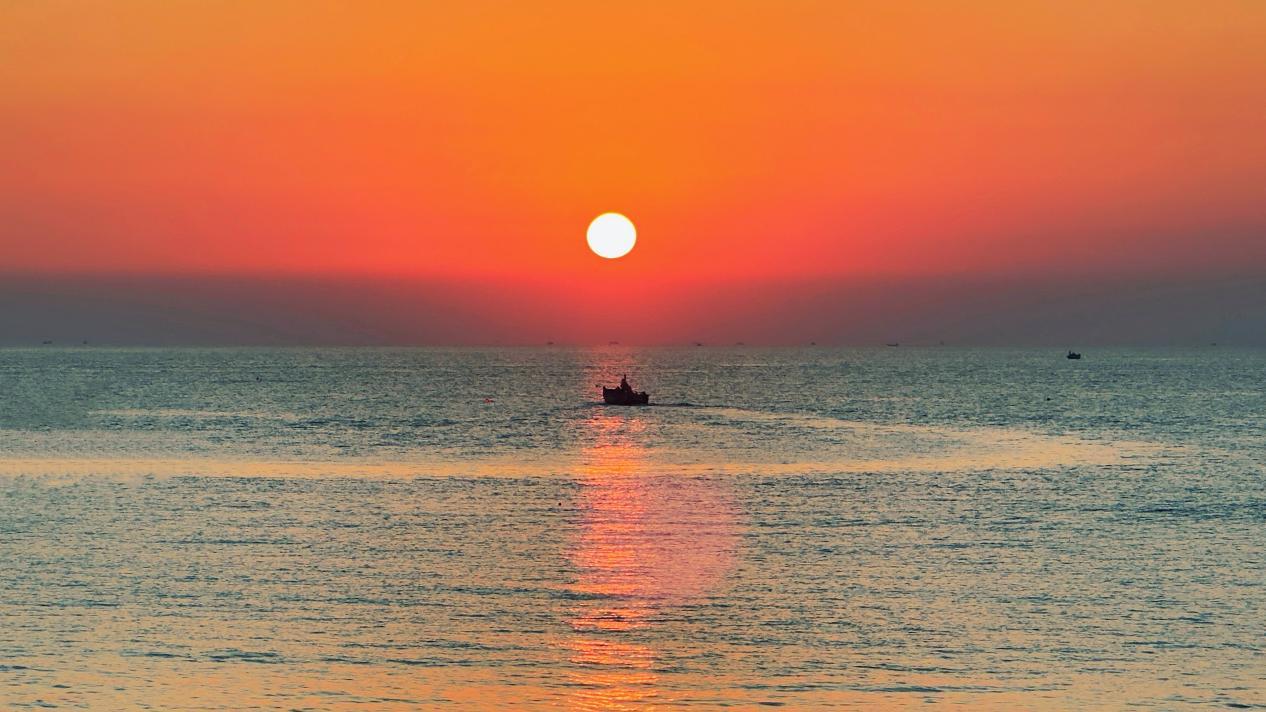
(615, 396)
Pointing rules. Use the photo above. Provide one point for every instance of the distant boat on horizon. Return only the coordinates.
(1073, 355)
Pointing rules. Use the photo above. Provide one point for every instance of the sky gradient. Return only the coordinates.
(764, 150)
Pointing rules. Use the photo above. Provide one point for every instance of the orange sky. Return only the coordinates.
(771, 140)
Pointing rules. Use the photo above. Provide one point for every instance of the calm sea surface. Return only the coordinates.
(797, 528)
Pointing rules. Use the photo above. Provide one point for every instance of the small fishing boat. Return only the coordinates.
(1074, 355)
(615, 396)
(624, 394)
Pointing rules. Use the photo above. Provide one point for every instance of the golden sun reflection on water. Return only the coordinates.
(646, 544)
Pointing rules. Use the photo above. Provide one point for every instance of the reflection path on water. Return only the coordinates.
(649, 548)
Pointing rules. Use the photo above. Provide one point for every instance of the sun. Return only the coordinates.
(611, 235)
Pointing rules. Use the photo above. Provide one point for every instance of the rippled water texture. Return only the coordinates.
(466, 529)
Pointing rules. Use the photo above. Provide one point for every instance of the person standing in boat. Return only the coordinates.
(624, 384)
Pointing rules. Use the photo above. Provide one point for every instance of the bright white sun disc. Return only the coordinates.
(611, 235)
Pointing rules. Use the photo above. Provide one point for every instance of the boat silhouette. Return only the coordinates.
(1074, 355)
(624, 394)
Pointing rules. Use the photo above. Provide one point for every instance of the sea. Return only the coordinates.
(470, 528)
